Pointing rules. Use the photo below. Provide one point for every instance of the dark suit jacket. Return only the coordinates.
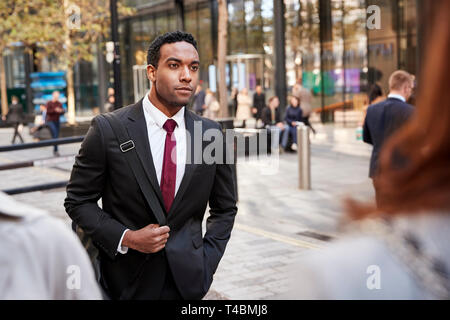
(259, 102)
(15, 113)
(266, 116)
(382, 120)
(101, 171)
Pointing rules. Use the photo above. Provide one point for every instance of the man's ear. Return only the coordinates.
(151, 73)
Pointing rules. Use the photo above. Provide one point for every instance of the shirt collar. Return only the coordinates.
(157, 117)
(396, 96)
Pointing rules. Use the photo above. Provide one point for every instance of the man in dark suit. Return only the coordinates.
(144, 252)
(259, 103)
(384, 118)
(271, 117)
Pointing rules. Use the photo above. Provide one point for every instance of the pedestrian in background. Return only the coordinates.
(244, 103)
(232, 105)
(40, 131)
(386, 117)
(15, 117)
(293, 116)
(403, 248)
(109, 105)
(212, 105)
(199, 100)
(259, 103)
(375, 94)
(54, 111)
(271, 117)
(40, 258)
(305, 97)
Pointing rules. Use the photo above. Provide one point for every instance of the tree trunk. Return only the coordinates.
(70, 96)
(69, 74)
(221, 57)
(4, 97)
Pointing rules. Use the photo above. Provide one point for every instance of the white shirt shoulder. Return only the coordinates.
(41, 258)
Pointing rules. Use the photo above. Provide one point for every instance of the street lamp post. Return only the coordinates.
(116, 61)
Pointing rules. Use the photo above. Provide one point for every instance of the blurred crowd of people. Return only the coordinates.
(264, 112)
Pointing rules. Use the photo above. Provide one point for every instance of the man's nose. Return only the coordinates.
(186, 75)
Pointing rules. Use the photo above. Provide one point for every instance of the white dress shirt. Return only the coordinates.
(155, 120)
(396, 96)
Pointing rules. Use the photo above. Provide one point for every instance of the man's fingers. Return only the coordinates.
(161, 238)
(160, 243)
(161, 230)
(158, 248)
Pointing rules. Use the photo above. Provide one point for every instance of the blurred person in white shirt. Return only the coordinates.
(40, 257)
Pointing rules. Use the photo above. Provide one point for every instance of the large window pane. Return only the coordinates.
(303, 45)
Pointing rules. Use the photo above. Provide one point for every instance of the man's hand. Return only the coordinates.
(254, 110)
(150, 239)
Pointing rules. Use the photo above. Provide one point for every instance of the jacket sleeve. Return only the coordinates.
(265, 117)
(366, 132)
(222, 203)
(286, 117)
(85, 189)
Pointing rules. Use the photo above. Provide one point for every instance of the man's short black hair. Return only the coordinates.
(153, 53)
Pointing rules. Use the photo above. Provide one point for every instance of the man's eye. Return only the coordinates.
(194, 68)
(173, 65)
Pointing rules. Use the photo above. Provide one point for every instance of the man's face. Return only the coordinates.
(177, 73)
(258, 89)
(55, 95)
(408, 90)
(274, 103)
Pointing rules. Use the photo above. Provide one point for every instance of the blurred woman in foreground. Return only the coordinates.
(401, 249)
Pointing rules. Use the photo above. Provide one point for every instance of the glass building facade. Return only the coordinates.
(325, 44)
(328, 46)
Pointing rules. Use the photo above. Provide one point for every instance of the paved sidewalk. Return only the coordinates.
(276, 222)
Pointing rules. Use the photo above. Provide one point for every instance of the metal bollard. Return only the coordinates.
(304, 157)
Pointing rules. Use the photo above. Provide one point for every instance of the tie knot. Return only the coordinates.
(170, 125)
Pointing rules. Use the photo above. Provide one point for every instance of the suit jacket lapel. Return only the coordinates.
(137, 129)
(190, 163)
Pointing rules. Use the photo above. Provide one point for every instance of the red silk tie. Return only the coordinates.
(169, 168)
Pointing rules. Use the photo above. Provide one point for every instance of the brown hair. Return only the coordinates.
(423, 181)
(398, 79)
(271, 98)
(296, 98)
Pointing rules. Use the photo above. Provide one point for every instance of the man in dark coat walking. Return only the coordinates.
(15, 117)
(386, 117)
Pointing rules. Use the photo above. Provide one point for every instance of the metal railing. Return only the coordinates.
(38, 162)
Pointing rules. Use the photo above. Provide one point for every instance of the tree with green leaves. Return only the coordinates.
(22, 21)
(64, 29)
(84, 22)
